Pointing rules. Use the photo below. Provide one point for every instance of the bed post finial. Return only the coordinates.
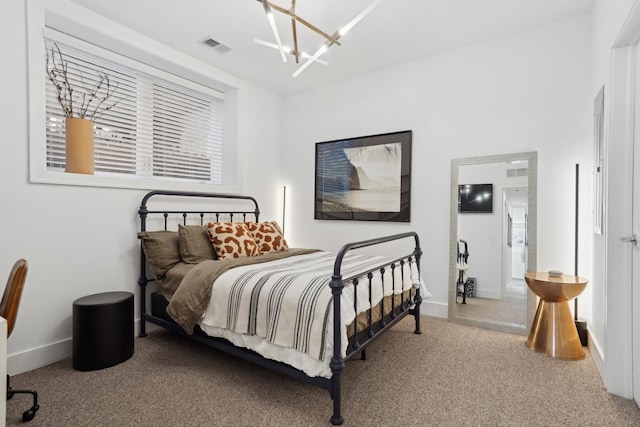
(143, 212)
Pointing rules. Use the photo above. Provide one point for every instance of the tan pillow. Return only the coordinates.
(232, 240)
(162, 250)
(195, 245)
(268, 236)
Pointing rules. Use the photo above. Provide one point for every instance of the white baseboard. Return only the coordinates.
(29, 360)
(596, 354)
(38, 357)
(435, 309)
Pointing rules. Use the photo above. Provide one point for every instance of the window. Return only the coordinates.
(161, 129)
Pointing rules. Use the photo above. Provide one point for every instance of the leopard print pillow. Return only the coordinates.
(268, 236)
(232, 240)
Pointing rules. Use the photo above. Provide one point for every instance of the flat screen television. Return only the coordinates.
(476, 198)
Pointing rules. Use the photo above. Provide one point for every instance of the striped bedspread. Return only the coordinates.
(288, 302)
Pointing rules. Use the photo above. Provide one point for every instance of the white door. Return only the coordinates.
(622, 215)
(635, 292)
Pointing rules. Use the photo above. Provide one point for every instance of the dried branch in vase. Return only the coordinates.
(86, 101)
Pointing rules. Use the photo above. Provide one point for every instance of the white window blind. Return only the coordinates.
(157, 129)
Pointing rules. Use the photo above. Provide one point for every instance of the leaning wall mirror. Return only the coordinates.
(493, 241)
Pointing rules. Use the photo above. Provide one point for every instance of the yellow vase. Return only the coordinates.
(79, 145)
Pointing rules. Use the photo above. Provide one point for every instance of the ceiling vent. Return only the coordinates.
(511, 173)
(215, 45)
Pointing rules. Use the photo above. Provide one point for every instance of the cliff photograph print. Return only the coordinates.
(366, 178)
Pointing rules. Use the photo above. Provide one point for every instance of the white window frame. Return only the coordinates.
(43, 22)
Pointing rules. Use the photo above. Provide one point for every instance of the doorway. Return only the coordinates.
(517, 287)
(622, 170)
(516, 205)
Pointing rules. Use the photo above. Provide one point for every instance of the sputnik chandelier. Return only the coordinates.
(329, 40)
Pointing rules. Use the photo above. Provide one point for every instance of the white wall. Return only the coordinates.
(525, 92)
(82, 240)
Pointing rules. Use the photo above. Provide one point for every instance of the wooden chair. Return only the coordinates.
(9, 310)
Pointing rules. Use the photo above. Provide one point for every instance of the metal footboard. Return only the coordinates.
(337, 285)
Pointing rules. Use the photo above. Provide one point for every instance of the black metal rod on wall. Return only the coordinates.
(284, 206)
(575, 302)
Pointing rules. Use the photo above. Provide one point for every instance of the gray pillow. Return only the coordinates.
(162, 250)
(195, 245)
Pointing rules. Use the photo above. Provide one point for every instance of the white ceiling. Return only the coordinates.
(396, 31)
(516, 196)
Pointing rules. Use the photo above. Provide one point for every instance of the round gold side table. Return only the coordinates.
(553, 331)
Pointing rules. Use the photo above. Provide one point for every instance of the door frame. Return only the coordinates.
(635, 286)
(619, 143)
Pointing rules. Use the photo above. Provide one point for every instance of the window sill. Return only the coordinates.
(132, 182)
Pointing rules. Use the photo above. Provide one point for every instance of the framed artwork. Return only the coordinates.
(367, 178)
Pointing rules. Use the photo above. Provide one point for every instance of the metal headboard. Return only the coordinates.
(144, 212)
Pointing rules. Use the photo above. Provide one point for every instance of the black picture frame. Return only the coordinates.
(367, 178)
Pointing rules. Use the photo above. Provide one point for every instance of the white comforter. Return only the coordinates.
(283, 309)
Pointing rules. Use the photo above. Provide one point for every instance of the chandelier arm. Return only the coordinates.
(295, 40)
(295, 33)
(311, 60)
(327, 44)
(312, 27)
(302, 53)
(274, 28)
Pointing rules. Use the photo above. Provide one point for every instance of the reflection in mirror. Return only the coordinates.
(493, 241)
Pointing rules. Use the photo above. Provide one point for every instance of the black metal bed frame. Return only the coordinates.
(337, 364)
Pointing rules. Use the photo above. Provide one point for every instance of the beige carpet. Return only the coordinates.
(451, 375)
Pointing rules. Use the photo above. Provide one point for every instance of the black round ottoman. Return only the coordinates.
(102, 330)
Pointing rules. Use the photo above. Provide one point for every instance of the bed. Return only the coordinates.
(299, 312)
